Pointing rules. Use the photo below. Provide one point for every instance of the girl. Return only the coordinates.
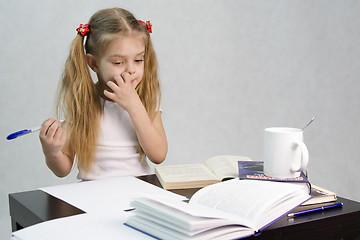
(111, 125)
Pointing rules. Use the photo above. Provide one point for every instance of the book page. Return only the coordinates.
(225, 166)
(249, 200)
(185, 172)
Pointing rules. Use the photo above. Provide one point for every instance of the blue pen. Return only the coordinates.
(24, 132)
(315, 209)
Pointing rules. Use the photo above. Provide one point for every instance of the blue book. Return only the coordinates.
(254, 170)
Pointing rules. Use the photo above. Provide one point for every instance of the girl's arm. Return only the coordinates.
(150, 133)
(52, 138)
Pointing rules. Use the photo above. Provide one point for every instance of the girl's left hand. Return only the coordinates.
(124, 92)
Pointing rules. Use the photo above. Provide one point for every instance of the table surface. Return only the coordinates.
(29, 208)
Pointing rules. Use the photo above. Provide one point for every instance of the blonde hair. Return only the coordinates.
(79, 99)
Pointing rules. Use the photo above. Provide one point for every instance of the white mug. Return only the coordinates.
(285, 154)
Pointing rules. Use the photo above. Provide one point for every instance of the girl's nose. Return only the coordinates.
(130, 68)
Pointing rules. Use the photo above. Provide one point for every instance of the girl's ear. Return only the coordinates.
(91, 61)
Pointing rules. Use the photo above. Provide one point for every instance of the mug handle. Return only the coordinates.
(304, 158)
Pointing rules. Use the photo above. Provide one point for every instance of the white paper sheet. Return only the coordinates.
(87, 226)
(109, 195)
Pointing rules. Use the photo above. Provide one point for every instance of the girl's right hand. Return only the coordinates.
(52, 137)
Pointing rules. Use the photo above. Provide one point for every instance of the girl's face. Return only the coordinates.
(124, 54)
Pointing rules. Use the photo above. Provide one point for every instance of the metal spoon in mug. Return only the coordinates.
(308, 123)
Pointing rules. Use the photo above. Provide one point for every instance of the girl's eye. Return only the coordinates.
(118, 63)
(139, 60)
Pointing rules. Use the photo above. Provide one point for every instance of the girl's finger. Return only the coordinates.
(45, 126)
(58, 134)
(119, 80)
(125, 76)
(109, 94)
(53, 128)
(112, 85)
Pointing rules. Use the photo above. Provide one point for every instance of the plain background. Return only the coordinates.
(228, 70)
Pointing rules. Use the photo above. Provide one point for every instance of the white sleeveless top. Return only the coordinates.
(117, 153)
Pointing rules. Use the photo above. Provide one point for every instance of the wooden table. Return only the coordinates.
(29, 208)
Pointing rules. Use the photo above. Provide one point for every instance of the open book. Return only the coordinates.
(213, 170)
(227, 210)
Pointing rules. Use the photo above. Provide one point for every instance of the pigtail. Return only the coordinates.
(149, 87)
(149, 90)
(80, 101)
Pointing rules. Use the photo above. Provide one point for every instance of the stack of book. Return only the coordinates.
(227, 210)
(254, 170)
(223, 209)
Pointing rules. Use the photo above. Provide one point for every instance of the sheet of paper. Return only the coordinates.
(87, 226)
(108, 195)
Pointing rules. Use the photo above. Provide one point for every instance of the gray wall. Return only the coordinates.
(228, 70)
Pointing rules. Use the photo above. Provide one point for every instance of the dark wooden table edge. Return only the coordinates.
(20, 208)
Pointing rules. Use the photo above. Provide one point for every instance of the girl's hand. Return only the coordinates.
(52, 138)
(124, 92)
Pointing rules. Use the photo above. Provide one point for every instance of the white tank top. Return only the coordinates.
(117, 153)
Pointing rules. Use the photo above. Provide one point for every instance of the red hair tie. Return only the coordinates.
(83, 30)
(146, 25)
